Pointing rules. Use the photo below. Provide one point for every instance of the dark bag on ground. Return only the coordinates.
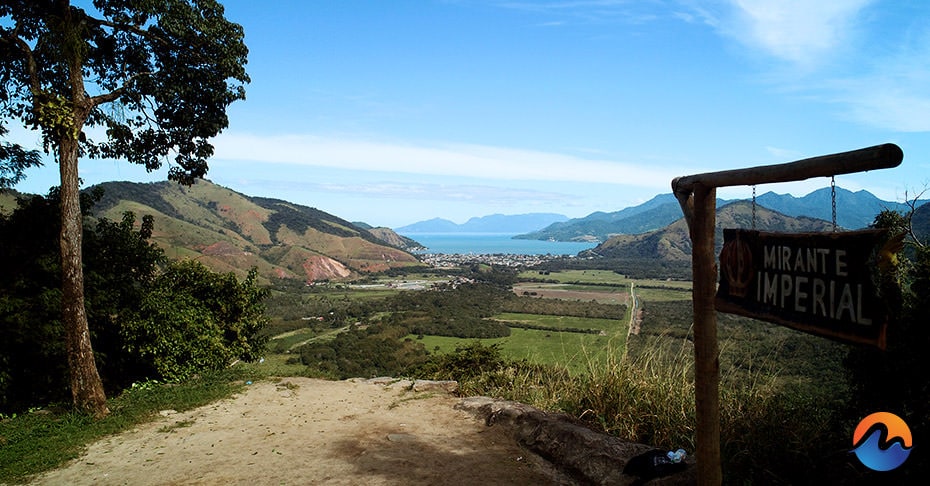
(652, 464)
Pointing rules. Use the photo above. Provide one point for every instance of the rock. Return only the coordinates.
(447, 386)
(586, 455)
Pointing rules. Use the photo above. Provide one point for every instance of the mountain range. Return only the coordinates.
(495, 223)
(673, 243)
(229, 231)
(855, 210)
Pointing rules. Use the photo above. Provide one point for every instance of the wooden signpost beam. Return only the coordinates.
(697, 196)
(706, 363)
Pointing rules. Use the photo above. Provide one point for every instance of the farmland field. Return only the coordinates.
(569, 349)
(604, 295)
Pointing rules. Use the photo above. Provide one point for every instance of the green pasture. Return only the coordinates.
(359, 294)
(609, 326)
(605, 289)
(573, 350)
(583, 276)
(662, 295)
(598, 279)
(288, 340)
(576, 351)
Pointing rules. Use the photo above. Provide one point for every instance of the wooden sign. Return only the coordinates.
(821, 283)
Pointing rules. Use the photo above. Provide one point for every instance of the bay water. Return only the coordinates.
(491, 243)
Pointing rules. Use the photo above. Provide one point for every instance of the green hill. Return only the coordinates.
(8, 201)
(672, 243)
(229, 231)
(921, 223)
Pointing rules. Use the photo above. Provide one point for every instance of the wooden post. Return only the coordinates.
(697, 196)
(706, 362)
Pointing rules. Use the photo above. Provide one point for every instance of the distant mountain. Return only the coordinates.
(435, 225)
(855, 210)
(920, 222)
(229, 231)
(672, 243)
(599, 226)
(495, 223)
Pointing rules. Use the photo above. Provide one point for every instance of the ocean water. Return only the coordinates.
(478, 243)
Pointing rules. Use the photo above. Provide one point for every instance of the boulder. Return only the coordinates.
(586, 455)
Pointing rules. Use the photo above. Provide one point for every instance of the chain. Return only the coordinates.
(753, 207)
(833, 199)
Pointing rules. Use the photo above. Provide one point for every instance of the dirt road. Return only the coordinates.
(307, 431)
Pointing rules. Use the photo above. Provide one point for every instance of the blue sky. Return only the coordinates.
(392, 112)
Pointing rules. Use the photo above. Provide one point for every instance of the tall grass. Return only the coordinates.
(770, 431)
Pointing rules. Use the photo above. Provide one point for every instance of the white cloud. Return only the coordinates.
(799, 31)
(443, 159)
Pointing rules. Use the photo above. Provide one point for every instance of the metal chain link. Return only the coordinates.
(753, 207)
(833, 199)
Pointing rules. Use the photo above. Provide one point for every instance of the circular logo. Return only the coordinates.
(882, 441)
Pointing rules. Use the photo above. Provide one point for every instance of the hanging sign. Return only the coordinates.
(821, 283)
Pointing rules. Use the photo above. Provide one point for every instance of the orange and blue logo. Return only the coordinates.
(882, 441)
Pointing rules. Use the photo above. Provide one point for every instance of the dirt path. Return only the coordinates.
(307, 431)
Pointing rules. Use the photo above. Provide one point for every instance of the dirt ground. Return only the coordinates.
(307, 431)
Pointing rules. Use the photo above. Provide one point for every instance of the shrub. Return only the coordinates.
(145, 322)
(195, 319)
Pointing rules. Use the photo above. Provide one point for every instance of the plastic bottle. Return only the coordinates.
(677, 456)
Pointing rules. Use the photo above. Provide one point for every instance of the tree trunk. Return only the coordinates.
(86, 386)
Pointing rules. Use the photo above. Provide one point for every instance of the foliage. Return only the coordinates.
(14, 160)
(133, 307)
(120, 261)
(193, 319)
(895, 380)
(163, 73)
(462, 311)
(558, 307)
(172, 68)
(482, 370)
(363, 352)
(644, 268)
(299, 218)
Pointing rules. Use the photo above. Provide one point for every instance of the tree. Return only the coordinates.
(894, 380)
(156, 75)
(14, 160)
(148, 319)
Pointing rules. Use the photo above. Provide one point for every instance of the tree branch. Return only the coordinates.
(132, 28)
(31, 69)
(912, 205)
(116, 93)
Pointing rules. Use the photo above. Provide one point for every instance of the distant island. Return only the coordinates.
(495, 223)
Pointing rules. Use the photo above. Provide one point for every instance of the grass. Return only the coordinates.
(557, 323)
(663, 294)
(571, 350)
(283, 343)
(45, 439)
(779, 390)
(600, 278)
(582, 276)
